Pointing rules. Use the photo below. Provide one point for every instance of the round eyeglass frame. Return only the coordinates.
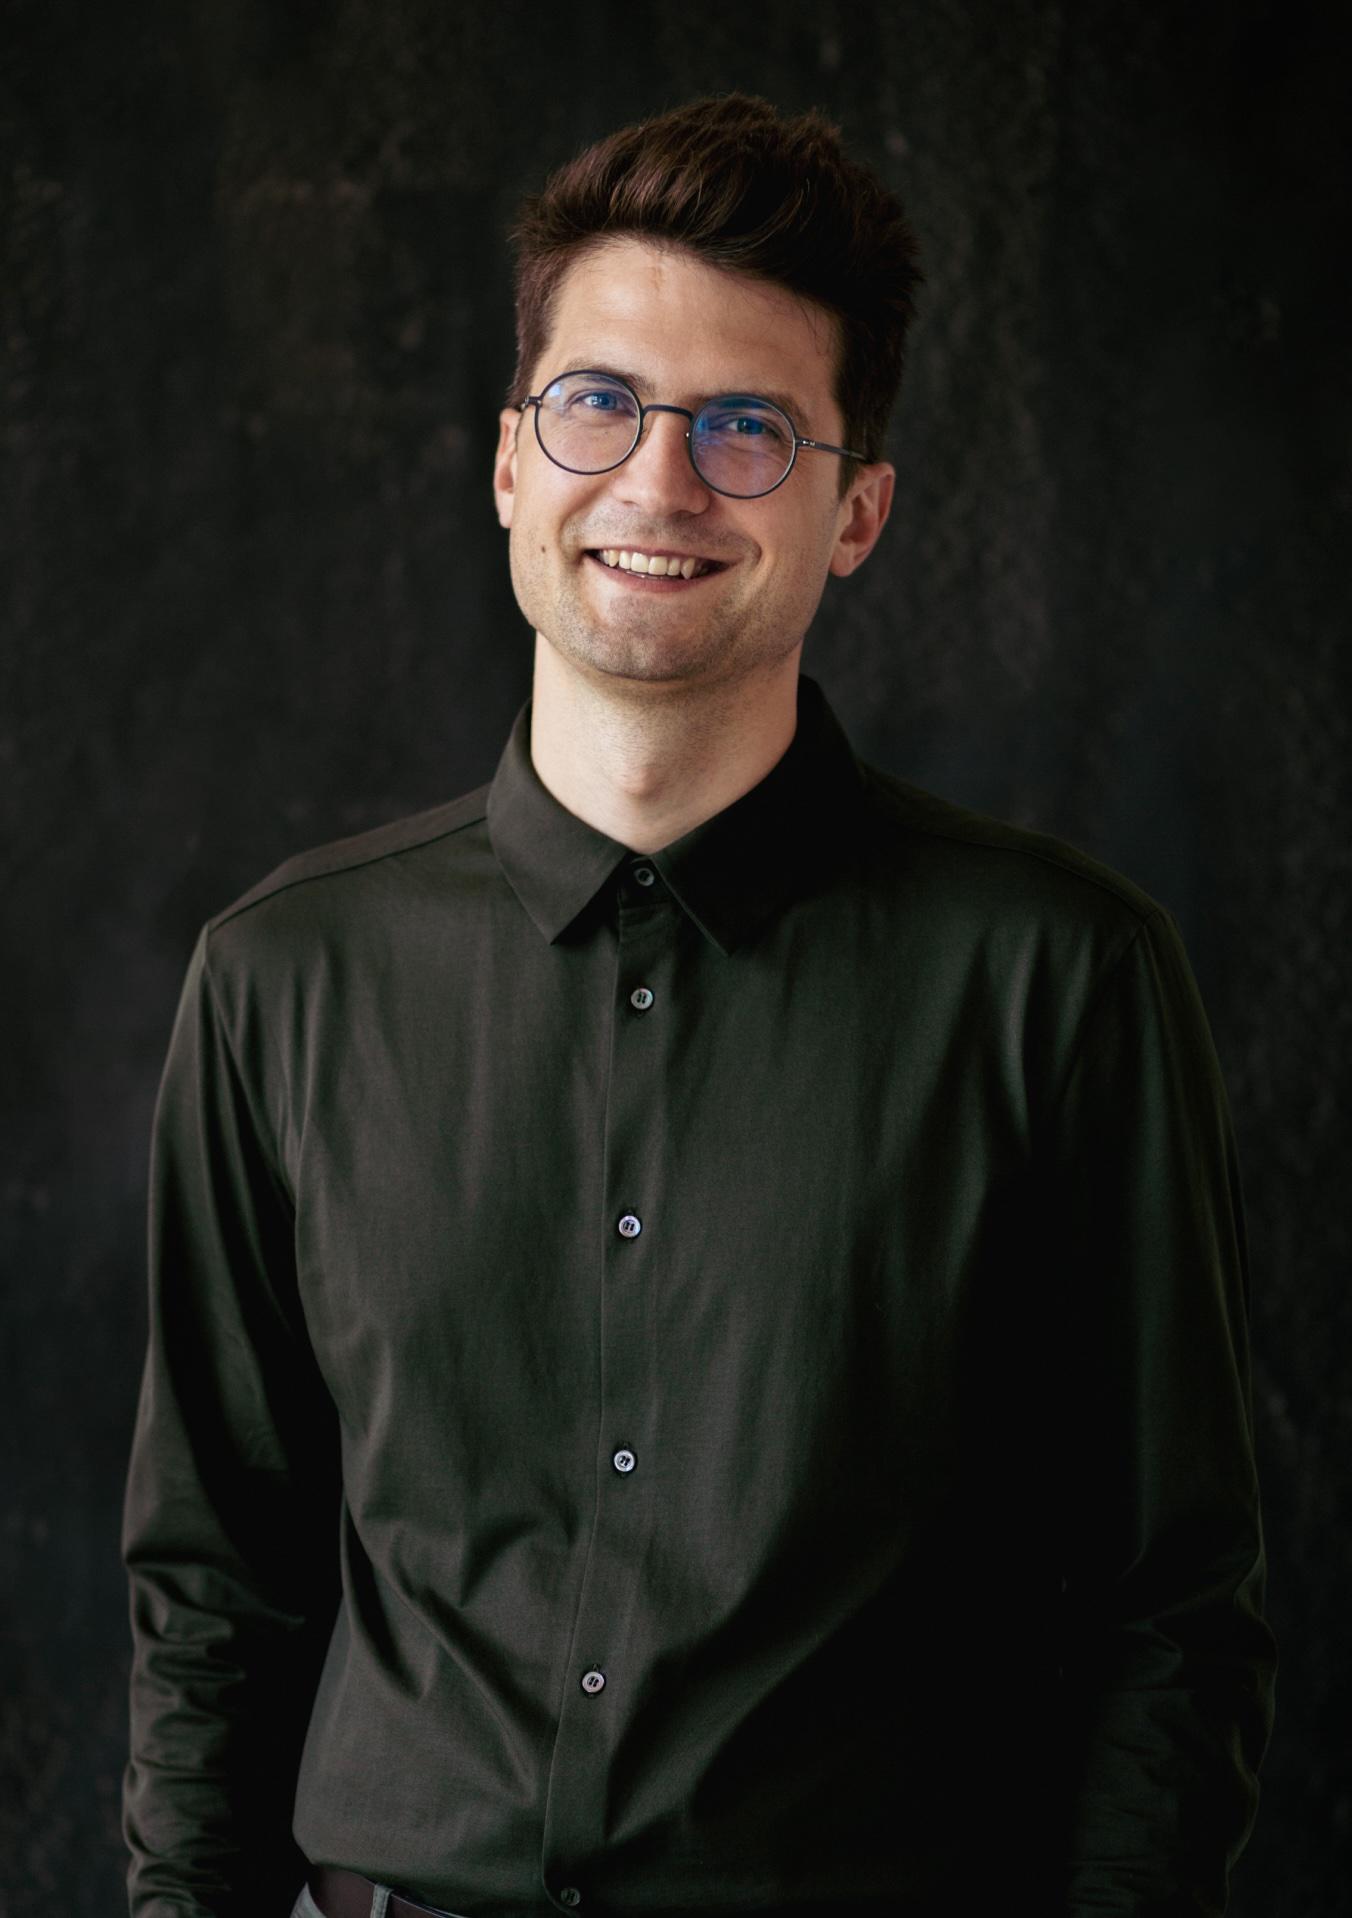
(658, 406)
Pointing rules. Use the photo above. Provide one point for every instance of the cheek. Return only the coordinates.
(549, 511)
(530, 530)
(803, 564)
(809, 550)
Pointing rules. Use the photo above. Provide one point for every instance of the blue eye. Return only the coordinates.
(741, 423)
(577, 396)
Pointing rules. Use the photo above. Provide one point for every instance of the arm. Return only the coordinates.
(1167, 1663)
(230, 1532)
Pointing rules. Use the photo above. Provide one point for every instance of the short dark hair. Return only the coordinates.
(746, 188)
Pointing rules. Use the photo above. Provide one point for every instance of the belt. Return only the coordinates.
(345, 1894)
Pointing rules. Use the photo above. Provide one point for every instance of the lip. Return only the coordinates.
(657, 583)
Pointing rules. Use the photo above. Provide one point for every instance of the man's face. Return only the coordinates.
(681, 332)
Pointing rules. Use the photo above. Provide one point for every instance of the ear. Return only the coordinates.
(863, 514)
(504, 464)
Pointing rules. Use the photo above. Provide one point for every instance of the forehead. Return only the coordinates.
(676, 323)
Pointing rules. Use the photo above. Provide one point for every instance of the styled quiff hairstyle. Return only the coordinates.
(742, 187)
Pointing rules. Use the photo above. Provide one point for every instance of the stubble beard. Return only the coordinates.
(647, 644)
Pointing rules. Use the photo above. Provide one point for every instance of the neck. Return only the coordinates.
(645, 764)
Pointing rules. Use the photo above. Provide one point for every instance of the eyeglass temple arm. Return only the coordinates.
(821, 446)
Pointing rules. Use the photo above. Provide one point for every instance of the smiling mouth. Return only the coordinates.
(654, 565)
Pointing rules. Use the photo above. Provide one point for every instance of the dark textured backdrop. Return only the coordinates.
(254, 320)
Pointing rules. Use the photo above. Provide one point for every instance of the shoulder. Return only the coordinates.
(324, 896)
(1000, 868)
(1028, 933)
(1020, 918)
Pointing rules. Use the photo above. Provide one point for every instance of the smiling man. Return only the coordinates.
(670, 610)
(698, 1348)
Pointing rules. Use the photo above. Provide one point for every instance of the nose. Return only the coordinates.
(658, 476)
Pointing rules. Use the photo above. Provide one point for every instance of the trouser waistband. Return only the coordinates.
(346, 1894)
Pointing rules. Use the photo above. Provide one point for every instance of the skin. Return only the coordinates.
(655, 708)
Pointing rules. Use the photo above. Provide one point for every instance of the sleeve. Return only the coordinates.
(231, 1517)
(1167, 1664)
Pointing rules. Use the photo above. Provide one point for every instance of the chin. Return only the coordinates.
(645, 665)
(630, 648)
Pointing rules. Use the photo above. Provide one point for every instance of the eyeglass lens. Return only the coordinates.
(741, 445)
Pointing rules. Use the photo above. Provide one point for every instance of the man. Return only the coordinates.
(698, 1299)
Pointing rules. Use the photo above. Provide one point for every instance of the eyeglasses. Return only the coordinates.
(739, 445)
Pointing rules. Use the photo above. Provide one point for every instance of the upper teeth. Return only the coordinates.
(652, 562)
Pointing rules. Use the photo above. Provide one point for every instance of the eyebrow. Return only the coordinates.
(787, 403)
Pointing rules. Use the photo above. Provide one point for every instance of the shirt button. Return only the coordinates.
(569, 1895)
(640, 998)
(630, 1227)
(593, 1681)
(645, 876)
(624, 1461)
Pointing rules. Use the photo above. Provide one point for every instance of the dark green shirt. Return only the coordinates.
(712, 1381)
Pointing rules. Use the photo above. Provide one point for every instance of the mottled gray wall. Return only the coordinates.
(254, 322)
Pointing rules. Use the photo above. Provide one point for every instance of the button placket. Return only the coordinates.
(596, 1698)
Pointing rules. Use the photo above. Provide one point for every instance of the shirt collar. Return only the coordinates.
(730, 874)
